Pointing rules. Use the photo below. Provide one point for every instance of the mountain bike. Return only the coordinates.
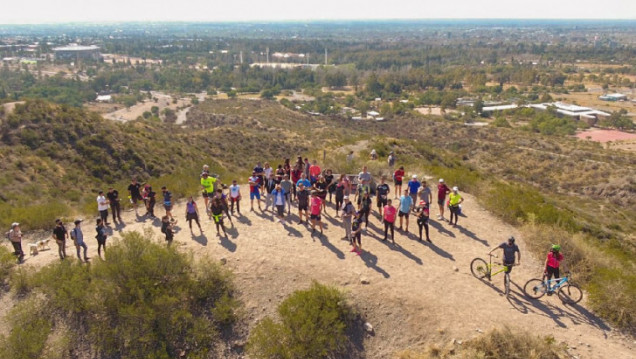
(481, 269)
(568, 292)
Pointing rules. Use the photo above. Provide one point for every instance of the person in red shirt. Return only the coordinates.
(314, 212)
(314, 172)
(295, 176)
(442, 191)
(389, 220)
(398, 175)
(553, 262)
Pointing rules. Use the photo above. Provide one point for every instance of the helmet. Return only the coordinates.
(556, 247)
(511, 239)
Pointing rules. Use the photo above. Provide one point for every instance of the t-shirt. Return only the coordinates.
(279, 197)
(405, 204)
(286, 185)
(102, 203)
(365, 203)
(356, 224)
(509, 251)
(234, 190)
(59, 232)
(305, 182)
(414, 185)
(316, 204)
(389, 213)
(208, 184)
(454, 198)
(79, 236)
(191, 207)
(347, 209)
(268, 171)
(113, 196)
(382, 190)
(167, 198)
(442, 189)
(254, 184)
(340, 189)
(258, 170)
(303, 197)
(425, 193)
(314, 170)
(134, 190)
(364, 176)
(391, 160)
(295, 174)
(398, 175)
(101, 233)
(554, 261)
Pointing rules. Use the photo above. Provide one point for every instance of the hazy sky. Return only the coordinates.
(37, 11)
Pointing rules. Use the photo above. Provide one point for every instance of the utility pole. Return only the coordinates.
(326, 56)
(267, 54)
(241, 56)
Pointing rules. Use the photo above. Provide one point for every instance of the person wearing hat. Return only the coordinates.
(60, 235)
(347, 213)
(414, 186)
(78, 238)
(207, 187)
(454, 200)
(442, 191)
(15, 236)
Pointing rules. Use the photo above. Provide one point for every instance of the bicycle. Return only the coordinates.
(481, 269)
(568, 292)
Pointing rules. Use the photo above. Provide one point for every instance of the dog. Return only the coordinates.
(33, 249)
(43, 244)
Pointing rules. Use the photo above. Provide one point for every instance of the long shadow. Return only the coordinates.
(264, 214)
(589, 317)
(232, 231)
(201, 239)
(441, 228)
(228, 244)
(398, 248)
(120, 226)
(371, 261)
(292, 232)
(472, 235)
(517, 303)
(325, 242)
(439, 251)
(244, 220)
(541, 308)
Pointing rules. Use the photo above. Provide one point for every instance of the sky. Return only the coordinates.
(55, 11)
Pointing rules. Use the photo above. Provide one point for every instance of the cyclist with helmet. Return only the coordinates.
(552, 263)
(509, 248)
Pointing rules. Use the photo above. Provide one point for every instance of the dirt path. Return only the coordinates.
(418, 293)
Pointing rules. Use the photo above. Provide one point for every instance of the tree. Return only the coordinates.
(335, 79)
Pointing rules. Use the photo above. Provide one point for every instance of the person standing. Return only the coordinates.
(192, 213)
(314, 172)
(364, 207)
(509, 249)
(422, 219)
(425, 194)
(382, 191)
(134, 193)
(442, 191)
(217, 213)
(78, 238)
(167, 202)
(115, 206)
(306, 167)
(151, 200)
(454, 200)
(350, 157)
(15, 236)
(320, 186)
(373, 155)
(316, 208)
(340, 193)
(268, 171)
(391, 160)
(101, 237)
(279, 199)
(331, 184)
(398, 176)
(389, 220)
(414, 185)
(553, 262)
(255, 187)
(364, 176)
(270, 185)
(260, 174)
(166, 228)
(287, 186)
(102, 207)
(296, 173)
(207, 186)
(303, 202)
(60, 235)
(356, 233)
(406, 202)
(305, 182)
(235, 197)
(347, 214)
(279, 174)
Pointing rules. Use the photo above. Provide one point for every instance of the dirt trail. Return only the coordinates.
(415, 296)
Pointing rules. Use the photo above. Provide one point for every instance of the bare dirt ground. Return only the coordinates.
(123, 114)
(418, 293)
(603, 136)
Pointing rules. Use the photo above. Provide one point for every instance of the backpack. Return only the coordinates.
(73, 234)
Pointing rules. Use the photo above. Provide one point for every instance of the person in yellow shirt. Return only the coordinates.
(207, 184)
(454, 200)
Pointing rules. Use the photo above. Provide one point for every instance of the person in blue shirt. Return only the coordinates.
(279, 198)
(406, 202)
(414, 186)
(305, 182)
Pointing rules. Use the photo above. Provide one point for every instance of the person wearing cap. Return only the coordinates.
(347, 213)
(207, 187)
(442, 191)
(398, 176)
(303, 202)
(454, 200)
(134, 193)
(102, 207)
(15, 236)
(314, 212)
(414, 185)
(422, 219)
(60, 235)
(113, 198)
(78, 238)
(255, 188)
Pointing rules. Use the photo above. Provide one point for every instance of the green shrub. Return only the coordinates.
(30, 329)
(613, 296)
(313, 324)
(7, 261)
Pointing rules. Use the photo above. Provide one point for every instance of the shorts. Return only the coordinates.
(402, 214)
(315, 216)
(136, 198)
(208, 194)
(232, 199)
(256, 195)
(509, 265)
(440, 201)
(192, 216)
(382, 201)
(357, 238)
(303, 207)
(281, 210)
(397, 182)
(552, 271)
(422, 220)
(167, 207)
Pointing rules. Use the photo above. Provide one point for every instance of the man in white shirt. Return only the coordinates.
(102, 207)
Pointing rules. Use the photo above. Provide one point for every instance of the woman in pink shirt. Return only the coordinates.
(389, 220)
(314, 212)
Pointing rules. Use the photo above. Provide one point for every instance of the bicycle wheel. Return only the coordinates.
(479, 268)
(507, 283)
(570, 293)
(535, 288)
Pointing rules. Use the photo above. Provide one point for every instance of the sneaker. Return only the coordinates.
(353, 249)
(429, 240)
(440, 218)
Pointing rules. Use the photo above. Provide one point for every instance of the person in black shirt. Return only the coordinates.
(303, 203)
(115, 206)
(167, 202)
(134, 193)
(60, 235)
(101, 237)
(320, 186)
(166, 228)
(331, 185)
(150, 201)
(382, 191)
(364, 207)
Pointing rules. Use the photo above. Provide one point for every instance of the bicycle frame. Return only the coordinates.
(552, 287)
(490, 267)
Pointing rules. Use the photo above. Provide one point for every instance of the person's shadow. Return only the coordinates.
(244, 220)
(438, 226)
(325, 242)
(471, 235)
(439, 251)
(227, 243)
(201, 239)
(371, 261)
